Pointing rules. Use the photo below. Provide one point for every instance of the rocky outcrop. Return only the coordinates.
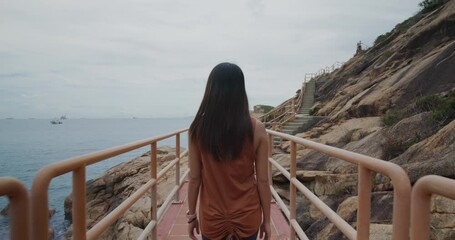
(372, 107)
(346, 207)
(434, 155)
(415, 61)
(109, 190)
(442, 218)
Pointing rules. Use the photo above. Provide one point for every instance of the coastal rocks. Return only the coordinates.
(434, 155)
(442, 219)
(388, 80)
(381, 231)
(110, 189)
(335, 184)
(381, 214)
(4, 211)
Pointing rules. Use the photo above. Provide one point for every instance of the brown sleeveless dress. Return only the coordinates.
(229, 200)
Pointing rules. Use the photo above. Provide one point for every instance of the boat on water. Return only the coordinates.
(59, 120)
(56, 121)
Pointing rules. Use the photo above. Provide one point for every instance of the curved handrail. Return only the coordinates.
(77, 165)
(366, 164)
(422, 191)
(402, 203)
(18, 208)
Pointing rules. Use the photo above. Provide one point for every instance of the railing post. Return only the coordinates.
(422, 191)
(39, 206)
(79, 210)
(270, 152)
(364, 198)
(420, 215)
(177, 166)
(292, 189)
(18, 208)
(293, 106)
(281, 130)
(154, 197)
(401, 205)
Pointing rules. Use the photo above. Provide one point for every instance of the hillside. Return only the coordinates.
(394, 101)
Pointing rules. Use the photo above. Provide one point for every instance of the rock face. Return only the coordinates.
(372, 107)
(442, 218)
(393, 73)
(109, 190)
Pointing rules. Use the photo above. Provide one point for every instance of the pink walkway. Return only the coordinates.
(174, 226)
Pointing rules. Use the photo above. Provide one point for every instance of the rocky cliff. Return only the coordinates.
(394, 101)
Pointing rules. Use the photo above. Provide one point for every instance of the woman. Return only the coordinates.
(228, 163)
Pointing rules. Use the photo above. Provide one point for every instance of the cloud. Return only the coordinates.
(152, 58)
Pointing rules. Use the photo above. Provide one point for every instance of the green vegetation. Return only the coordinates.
(441, 106)
(391, 117)
(263, 108)
(430, 5)
(406, 24)
(417, 138)
(267, 108)
(387, 54)
(426, 6)
(382, 38)
(314, 111)
(393, 148)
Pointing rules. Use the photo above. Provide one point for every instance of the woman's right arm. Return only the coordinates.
(193, 185)
(262, 175)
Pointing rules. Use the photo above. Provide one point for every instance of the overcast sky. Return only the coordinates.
(109, 58)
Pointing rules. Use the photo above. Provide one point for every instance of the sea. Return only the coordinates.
(27, 145)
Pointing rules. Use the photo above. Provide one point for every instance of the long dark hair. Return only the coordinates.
(222, 124)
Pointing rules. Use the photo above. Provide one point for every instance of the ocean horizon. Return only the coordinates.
(27, 145)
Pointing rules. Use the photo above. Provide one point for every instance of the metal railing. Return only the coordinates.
(77, 165)
(18, 207)
(422, 191)
(400, 180)
(276, 112)
(283, 113)
(21, 217)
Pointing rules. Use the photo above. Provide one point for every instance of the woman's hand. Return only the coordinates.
(194, 225)
(265, 231)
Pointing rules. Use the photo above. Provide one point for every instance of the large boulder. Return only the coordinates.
(434, 155)
(381, 213)
(442, 219)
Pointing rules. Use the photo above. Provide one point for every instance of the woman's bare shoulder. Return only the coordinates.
(259, 132)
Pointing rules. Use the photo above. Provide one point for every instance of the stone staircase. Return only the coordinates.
(302, 118)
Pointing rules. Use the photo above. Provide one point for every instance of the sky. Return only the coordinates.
(150, 58)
